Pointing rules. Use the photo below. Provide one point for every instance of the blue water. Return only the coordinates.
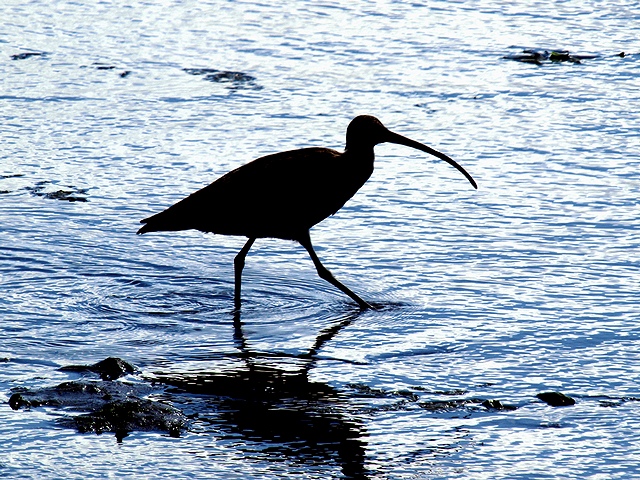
(528, 284)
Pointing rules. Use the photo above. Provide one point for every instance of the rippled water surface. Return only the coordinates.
(527, 285)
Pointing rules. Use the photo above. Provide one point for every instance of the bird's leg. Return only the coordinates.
(326, 274)
(238, 264)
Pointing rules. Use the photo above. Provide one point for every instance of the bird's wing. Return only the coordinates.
(270, 196)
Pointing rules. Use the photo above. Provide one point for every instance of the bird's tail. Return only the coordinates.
(166, 221)
(144, 229)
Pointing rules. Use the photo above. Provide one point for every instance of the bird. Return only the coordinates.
(283, 195)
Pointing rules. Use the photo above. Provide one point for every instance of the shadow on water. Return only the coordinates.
(259, 403)
(265, 404)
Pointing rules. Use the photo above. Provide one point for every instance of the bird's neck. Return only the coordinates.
(360, 161)
(359, 153)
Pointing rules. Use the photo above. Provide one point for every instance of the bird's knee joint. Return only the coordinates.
(238, 262)
(325, 274)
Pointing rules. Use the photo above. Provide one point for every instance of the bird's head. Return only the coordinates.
(365, 132)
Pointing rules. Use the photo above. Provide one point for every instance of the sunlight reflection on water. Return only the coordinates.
(528, 284)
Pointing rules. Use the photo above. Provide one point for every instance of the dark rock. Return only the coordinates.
(103, 66)
(617, 401)
(432, 405)
(229, 77)
(448, 405)
(235, 79)
(109, 407)
(110, 368)
(67, 195)
(450, 392)
(73, 195)
(122, 417)
(562, 57)
(82, 395)
(556, 399)
(367, 391)
(200, 71)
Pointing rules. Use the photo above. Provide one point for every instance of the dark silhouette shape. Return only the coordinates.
(556, 399)
(288, 414)
(285, 194)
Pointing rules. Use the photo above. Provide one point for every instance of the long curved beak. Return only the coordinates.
(399, 139)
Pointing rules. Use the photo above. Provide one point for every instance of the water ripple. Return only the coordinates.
(527, 285)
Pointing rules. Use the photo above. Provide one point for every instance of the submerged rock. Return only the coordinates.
(40, 189)
(497, 405)
(234, 79)
(538, 57)
(25, 55)
(448, 405)
(108, 66)
(214, 75)
(103, 66)
(437, 406)
(116, 407)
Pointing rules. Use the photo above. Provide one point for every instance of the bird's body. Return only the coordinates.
(278, 196)
(285, 194)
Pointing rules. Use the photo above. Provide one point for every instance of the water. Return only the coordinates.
(527, 285)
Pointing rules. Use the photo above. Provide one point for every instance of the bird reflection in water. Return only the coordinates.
(270, 400)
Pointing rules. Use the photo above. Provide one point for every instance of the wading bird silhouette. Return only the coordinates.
(285, 194)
